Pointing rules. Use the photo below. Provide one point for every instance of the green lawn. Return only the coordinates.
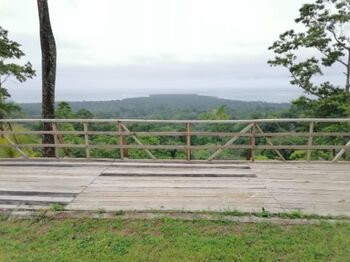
(169, 240)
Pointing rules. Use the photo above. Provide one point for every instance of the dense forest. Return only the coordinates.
(176, 106)
(65, 111)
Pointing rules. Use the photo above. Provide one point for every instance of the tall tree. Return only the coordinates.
(326, 41)
(48, 53)
(10, 51)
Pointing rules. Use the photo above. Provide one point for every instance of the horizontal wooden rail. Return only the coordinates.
(148, 121)
(183, 147)
(248, 135)
(194, 133)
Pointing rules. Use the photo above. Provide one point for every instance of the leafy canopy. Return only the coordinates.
(327, 28)
(10, 53)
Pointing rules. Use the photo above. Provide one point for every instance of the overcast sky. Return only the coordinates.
(112, 49)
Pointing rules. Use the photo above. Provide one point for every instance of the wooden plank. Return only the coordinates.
(19, 206)
(174, 188)
(36, 193)
(177, 170)
(176, 193)
(179, 204)
(182, 184)
(48, 188)
(29, 202)
(37, 198)
(148, 180)
(174, 206)
(297, 166)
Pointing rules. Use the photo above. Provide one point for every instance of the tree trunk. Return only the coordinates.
(347, 87)
(48, 58)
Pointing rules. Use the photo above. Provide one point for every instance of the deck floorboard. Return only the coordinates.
(313, 188)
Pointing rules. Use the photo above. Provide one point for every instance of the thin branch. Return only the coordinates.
(310, 91)
(337, 39)
(338, 60)
(6, 77)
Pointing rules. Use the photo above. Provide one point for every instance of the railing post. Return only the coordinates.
(253, 142)
(55, 129)
(86, 139)
(251, 150)
(188, 142)
(310, 141)
(122, 141)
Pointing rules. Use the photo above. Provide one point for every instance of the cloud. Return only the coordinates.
(110, 32)
(116, 82)
(111, 49)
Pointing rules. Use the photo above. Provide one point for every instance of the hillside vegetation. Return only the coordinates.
(165, 107)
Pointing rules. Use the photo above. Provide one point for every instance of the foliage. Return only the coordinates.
(64, 110)
(327, 24)
(332, 106)
(56, 207)
(165, 107)
(219, 113)
(10, 52)
(10, 152)
(326, 40)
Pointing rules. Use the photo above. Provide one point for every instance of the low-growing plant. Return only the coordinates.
(56, 207)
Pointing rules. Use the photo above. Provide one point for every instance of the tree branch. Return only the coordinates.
(3, 81)
(338, 60)
(311, 92)
(337, 39)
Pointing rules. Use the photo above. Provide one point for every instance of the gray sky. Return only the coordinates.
(112, 49)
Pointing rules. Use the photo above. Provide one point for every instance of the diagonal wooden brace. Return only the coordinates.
(268, 140)
(341, 152)
(230, 142)
(15, 146)
(138, 142)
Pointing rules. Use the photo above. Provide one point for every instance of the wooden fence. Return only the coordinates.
(251, 130)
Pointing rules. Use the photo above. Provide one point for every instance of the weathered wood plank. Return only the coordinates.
(155, 121)
(312, 188)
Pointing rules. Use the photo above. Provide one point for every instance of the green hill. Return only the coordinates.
(177, 106)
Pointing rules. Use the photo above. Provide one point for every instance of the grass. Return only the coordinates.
(169, 240)
(296, 214)
(56, 207)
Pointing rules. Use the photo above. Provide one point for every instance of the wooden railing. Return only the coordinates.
(247, 135)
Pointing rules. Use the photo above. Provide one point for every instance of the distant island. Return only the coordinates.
(174, 106)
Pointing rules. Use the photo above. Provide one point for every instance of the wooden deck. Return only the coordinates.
(319, 188)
